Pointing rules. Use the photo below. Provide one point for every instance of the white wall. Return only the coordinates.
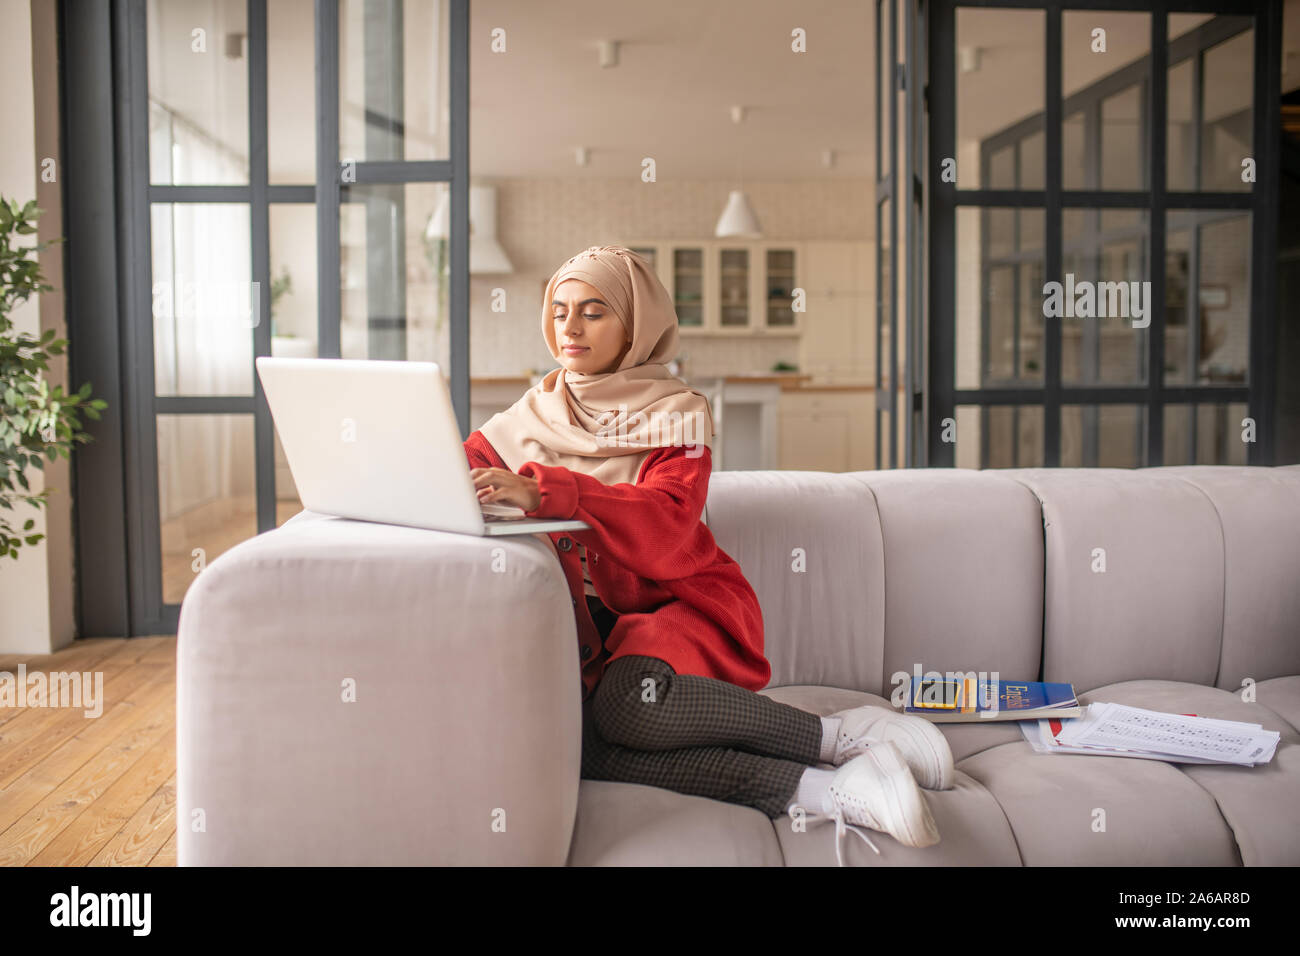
(36, 591)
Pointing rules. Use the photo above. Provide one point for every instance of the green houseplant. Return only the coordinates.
(35, 419)
(280, 287)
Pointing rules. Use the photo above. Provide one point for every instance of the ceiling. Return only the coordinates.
(682, 66)
(684, 63)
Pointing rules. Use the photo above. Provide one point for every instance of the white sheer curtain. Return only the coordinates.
(204, 308)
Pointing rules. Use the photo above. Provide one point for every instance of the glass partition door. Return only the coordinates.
(294, 183)
(1102, 269)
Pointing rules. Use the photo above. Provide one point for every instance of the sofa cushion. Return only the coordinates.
(627, 824)
(964, 582)
(1261, 804)
(964, 591)
(1157, 609)
(1259, 512)
(809, 544)
(1152, 811)
(1282, 696)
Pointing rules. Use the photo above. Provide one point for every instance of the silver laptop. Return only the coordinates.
(378, 441)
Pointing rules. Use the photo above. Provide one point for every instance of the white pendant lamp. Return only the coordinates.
(486, 257)
(738, 220)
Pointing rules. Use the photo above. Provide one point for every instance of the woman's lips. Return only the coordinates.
(574, 349)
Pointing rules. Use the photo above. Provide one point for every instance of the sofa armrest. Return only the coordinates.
(351, 693)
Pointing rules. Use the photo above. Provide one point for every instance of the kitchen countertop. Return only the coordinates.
(789, 381)
(784, 379)
(809, 387)
(500, 380)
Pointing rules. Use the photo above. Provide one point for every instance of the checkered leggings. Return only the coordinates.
(693, 734)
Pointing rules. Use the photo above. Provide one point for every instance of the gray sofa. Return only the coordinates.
(462, 742)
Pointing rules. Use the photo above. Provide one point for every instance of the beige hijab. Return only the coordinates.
(605, 425)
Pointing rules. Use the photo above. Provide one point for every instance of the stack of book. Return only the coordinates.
(967, 698)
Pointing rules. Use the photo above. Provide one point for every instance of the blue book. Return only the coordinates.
(967, 698)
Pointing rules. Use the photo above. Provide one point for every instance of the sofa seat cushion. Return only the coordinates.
(1261, 804)
(1178, 814)
(627, 824)
(1152, 811)
(973, 830)
(1282, 696)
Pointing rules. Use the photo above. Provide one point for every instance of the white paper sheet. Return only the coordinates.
(1119, 730)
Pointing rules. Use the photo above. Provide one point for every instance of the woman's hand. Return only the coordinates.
(502, 486)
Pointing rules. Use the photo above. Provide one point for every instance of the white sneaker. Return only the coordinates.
(877, 790)
(921, 743)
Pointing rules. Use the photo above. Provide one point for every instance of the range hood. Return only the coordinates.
(486, 257)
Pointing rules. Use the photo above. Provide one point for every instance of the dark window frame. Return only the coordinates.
(908, 77)
(116, 490)
(945, 199)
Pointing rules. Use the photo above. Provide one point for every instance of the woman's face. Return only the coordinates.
(583, 319)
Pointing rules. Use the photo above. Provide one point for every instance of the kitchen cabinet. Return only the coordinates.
(727, 286)
(765, 421)
(827, 429)
(838, 344)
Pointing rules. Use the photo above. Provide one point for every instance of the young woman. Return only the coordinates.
(670, 632)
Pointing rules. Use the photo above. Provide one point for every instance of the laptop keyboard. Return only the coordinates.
(489, 517)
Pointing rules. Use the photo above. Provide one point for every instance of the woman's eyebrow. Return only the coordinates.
(583, 302)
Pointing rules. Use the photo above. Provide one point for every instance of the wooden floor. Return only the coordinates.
(93, 791)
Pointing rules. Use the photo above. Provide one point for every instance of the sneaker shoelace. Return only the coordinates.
(842, 826)
(844, 743)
